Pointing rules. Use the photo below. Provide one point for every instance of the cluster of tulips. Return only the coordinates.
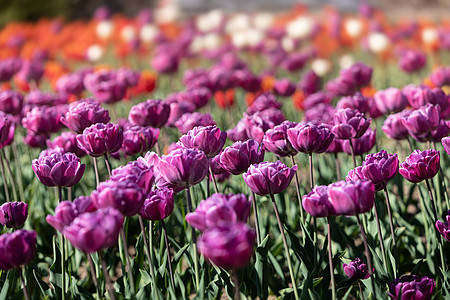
(88, 133)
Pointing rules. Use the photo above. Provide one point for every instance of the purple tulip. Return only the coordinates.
(13, 214)
(35, 140)
(11, 102)
(68, 142)
(154, 113)
(317, 203)
(184, 167)
(262, 102)
(229, 247)
(412, 60)
(294, 61)
(356, 101)
(8, 67)
(284, 87)
(67, 211)
(124, 195)
(258, 123)
(269, 177)
(220, 210)
(17, 249)
(351, 198)
(390, 100)
(446, 144)
(7, 129)
(178, 109)
(310, 138)
(98, 139)
(69, 84)
(341, 86)
(42, 120)
(59, 170)
(349, 124)
(360, 145)
(444, 227)
(412, 287)
(237, 158)
(190, 120)
(151, 161)
(208, 139)
(358, 73)
(137, 139)
(378, 167)
(238, 133)
(420, 165)
(421, 95)
(83, 114)
(440, 76)
(136, 171)
(393, 126)
(158, 205)
(422, 121)
(31, 70)
(105, 86)
(128, 77)
(198, 96)
(356, 269)
(441, 131)
(165, 63)
(276, 139)
(94, 231)
(320, 114)
(310, 83)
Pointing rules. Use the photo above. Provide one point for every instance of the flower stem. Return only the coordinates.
(97, 180)
(10, 175)
(148, 249)
(109, 284)
(108, 165)
(360, 290)
(353, 152)
(158, 150)
(237, 293)
(380, 236)
(63, 253)
(18, 171)
(369, 259)
(330, 258)
(299, 196)
(214, 180)
(25, 289)
(169, 259)
(255, 210)
(391, 224)
(5, 184)
(311, 171)
(286, 247)
(93, 274)
(193, 240)
(128, 261)
(338, 166)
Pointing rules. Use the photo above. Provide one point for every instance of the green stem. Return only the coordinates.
(237, 293)
(18, 171)
(338, 166)
(169, 259)
(330, 258)
(380, 237)
(149, 250)
(299, 196)
(5, 184)
(25, 289)
(109, 284)
(63, 253)
(216, 189)
(97, 180)
(360, 290)
(353, 152)
(194, 241)
(93, 274)
(108, 165)
(10, 175)
(369, 259)
(128, 261)
(286, 247)
(255, 211)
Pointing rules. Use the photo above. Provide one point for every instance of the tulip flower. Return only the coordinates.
(360, 145)
(237, 158)
(317, 203)
(263, 102)
(59, 170)
(349, 124)
(276, 140)
(8, 67)
(393, 126)
(356, 269)
(219, 209)
(356, 101)
(412, 287)
(154, 113)
(158, 204)
(17, 249)
(42, 120)
(390, 100)
(310, 138)
(67, 211)
(412, 61)
(100, 139)
(11, 102)
(68, 142)
(283, 87)
(138, 172)
(83, 114)
(238, 133)
(310, 83)
(137, 139)
(208, 139)
(229, 246)
(13, 214)
(190, 120)
(420, 165)
(93, 231)
(422, 121)
(419, 96)
(105, 86)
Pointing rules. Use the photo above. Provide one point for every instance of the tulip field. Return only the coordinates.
(292, 155)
